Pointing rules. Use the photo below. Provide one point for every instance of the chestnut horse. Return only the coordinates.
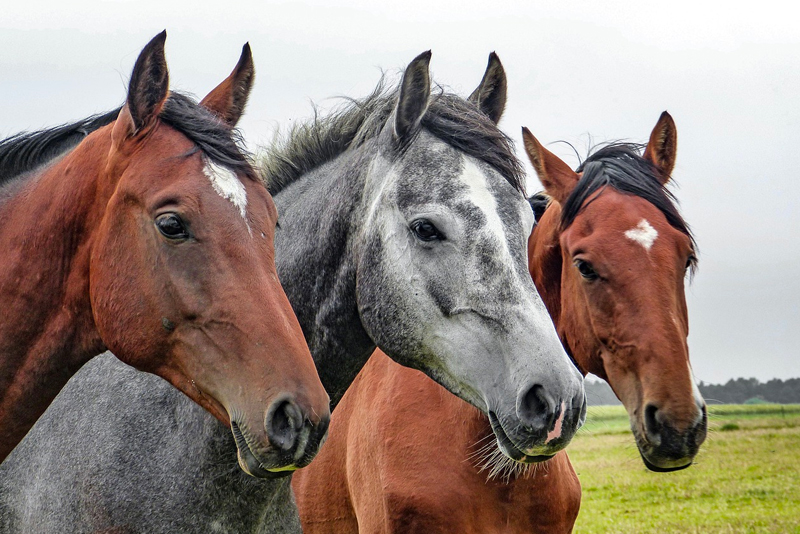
(609, 256)
(153, 237)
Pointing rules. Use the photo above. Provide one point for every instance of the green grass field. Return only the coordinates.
(745, 479)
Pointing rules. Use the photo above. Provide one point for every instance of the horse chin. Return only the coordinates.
(666, 467)
(535, 459)
(508, 447)
(656, 463)
(250, 464)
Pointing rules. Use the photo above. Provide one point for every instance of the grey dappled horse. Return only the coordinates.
(402, 225)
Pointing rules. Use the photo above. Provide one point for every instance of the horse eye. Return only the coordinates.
(426, 231)
(171, 226)
(586, 270)
(689, 262)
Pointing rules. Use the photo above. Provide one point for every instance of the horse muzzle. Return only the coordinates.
(543, 433)
(293, 441)
(662, 447)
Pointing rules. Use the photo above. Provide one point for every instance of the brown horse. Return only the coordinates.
(609, 256)
(153, 238)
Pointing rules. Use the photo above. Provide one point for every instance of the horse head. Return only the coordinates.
(184, 258)
(610, 255)
(443, 282)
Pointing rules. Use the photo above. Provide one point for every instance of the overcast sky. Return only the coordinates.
(728, 72)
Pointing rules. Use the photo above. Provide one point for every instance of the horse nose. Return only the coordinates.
(667, 440)
(652, 425)
(283, 424)
(291, 432)
(537, 409)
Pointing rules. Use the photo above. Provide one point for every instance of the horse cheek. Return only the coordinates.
(122, 286)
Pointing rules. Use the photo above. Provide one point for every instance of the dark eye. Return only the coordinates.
(586, 270)
(171, 226)
(425, 230)
(691, 261)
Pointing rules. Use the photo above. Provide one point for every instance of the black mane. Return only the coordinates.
(26, 151)
(453, 119)
(539, 203)
(621, 166)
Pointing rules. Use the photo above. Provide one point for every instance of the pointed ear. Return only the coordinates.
(556, 176)
(149, 84)
(228, 99)
(490, 96)
(415, 91)
(662, 149)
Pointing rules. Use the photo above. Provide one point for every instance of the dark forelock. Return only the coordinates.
(621, 166)
(223, 145)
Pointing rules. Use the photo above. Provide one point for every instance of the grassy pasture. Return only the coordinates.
(745, 479)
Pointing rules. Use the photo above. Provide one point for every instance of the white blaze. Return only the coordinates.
(227, 185)
(644, 234)
(480, 195)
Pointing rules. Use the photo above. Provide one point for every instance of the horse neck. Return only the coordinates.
(48, 331)
(316, 260)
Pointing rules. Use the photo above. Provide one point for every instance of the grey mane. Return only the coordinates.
(452, 119)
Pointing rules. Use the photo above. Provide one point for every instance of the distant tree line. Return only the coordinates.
(742, 390)
(734, 391)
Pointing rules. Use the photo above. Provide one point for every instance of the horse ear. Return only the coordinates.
(149, 83)
(490, 96)
(556, 176)
(662, 149)
(228, 99)
(415, 91)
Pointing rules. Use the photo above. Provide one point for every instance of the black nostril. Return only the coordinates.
(651, 424)
(536, 409)
(284, 421)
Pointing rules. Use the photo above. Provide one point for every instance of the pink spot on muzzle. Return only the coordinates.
(556, 432)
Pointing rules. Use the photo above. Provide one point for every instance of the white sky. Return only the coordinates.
(728, 72)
